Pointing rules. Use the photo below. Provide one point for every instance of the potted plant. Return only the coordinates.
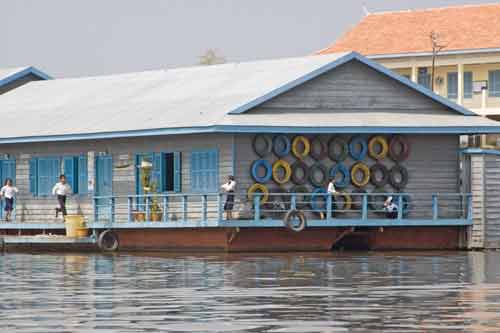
(149, 187)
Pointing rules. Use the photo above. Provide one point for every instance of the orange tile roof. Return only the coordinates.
(460, 28)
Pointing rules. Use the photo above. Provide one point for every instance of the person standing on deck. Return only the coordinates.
(332, 192)
(391, 209)
(61, 190)
(8, 191)
(229, 189)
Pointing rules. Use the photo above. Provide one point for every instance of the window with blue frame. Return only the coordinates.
(205, 171)
(45, 171)
(424, 78)
(164, 174)
(494, 83)
(468, 78)
(452, 85)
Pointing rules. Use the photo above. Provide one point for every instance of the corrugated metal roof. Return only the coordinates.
(188, 99)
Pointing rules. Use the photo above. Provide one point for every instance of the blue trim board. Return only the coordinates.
(24, 72)
(340, 61)
(480, 151)
(258, 129)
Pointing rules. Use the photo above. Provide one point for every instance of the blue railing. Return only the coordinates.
(352, 209)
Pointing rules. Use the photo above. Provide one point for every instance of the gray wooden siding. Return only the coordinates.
(41, 209)
(476, 231)
(491, 201)
(432, 166)
(354, 86)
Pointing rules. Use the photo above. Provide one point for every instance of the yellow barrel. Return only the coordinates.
(75, 226)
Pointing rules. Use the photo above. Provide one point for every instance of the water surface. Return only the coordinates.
(325, 292)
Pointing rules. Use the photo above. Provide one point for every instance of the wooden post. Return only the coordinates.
(220, 213)
(329, 207)
(293, 201)
(148, 204)
(112, 210)
(204, 208)
(364, 205)
(96, 212)
(435, 208)
(400, 206)
(469, 207)
(165, 208)
(256, 205)
(184, 208)
(129, 209)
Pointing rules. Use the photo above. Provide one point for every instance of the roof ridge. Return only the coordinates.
(402, 11)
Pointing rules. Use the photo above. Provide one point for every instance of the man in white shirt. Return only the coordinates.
(8, 191)
(332, 192)
(391, 209)
(229, 189)
(61, 190)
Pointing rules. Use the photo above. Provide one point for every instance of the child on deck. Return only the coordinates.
(229, 189)
(61, 190)
(8, 191)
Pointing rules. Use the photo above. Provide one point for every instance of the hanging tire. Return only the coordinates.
(289, 220)
(312, 175)
(375, 170)
(365, 170)
(358, 154)
(262, 189)
(400, 183)
(281, 164)
(300, 173)
(281, 145)
(108, 241)
(315, 196)
(346, 202)
(297, 141)
(384, 147)
(266, 149)
(254, 171)
(332, 149)
(278, 202)
(301, 202)
(399, 155)
(318, 149)
(376, 200)
(344, 171)
(357, 199)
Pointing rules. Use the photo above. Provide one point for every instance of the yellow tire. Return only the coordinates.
(262, 189)
(384, 145)
(360, 166)
(282, 164)
(347, 200)
(295, 147)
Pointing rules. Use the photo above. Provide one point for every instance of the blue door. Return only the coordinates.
(104, 188)
(7, 170)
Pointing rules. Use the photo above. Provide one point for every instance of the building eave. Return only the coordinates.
(27, 71)
(428, 54)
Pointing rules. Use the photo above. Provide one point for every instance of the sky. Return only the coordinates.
(71, 38)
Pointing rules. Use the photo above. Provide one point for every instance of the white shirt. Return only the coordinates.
(8, 191)
(229, 187)
(61, 189)
(392, 207)
(331, 188)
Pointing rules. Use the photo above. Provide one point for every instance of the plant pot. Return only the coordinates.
(139, 216)
(156, 217)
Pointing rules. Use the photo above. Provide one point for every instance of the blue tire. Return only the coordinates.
(281, 145)
(256, 165)
(346, 175)
(358, 148)
(316, 195)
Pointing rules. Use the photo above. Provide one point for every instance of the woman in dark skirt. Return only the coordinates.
(229, 189)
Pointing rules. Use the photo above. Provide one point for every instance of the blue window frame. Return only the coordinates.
(468, 78)
(165, 171)
(205, 171)
(494, 83)
(424, 78)
(44, 172)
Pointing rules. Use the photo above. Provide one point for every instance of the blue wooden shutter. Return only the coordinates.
(156, 173)
(33, 165)
(44, 176)
(213, 171)
(8, 170)
(468, 84)
(204, 171)
(177, 172)
(69, 167)
(452, 85)
(195, 162)
(83, 175)
(494, 83)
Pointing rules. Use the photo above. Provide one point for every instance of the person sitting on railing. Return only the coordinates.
(391, 209)
(229, 189)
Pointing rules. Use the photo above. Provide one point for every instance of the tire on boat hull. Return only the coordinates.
(290, 216)
(108, 241)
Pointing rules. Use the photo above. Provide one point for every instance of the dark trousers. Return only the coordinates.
(61, 199)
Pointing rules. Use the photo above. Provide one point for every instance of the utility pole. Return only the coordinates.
(436, 48)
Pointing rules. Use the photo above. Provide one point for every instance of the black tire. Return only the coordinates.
(398, 170)
(405, 148)
(318, 154)
(377, 199)
(374, 170)
(305, 173)
(290, 216)
(357, 200)
(108, 241)
(268, 146)
(278, 202)
(301, 202)
(344, 147)
(323, 170)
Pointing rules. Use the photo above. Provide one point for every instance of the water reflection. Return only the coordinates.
(327, 292)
